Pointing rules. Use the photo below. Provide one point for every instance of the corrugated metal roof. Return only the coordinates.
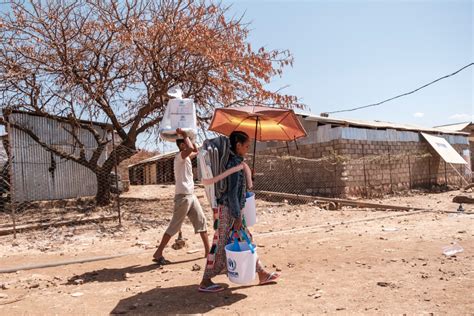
(375, 124)
(342, 122)
(457, 127)
(155, 158)
(58, 118)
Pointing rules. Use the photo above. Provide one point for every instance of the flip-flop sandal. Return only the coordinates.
(161, 261)
(211, 289)
(272, 277)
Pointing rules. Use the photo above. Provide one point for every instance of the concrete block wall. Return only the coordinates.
(312, 170)
(376, 168)
(345, 167)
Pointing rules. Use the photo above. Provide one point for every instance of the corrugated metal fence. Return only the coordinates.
(40, 175)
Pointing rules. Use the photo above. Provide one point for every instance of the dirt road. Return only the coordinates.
(336, 262)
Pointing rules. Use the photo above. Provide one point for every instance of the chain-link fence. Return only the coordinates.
(298, 175)
(331, 170)
(355, 170)
(157, 170)
(55, 175)
(39, 188)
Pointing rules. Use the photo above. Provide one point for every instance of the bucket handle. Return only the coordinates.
(236, 246)
(247, 239)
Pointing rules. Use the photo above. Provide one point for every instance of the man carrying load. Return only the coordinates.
(185, 202)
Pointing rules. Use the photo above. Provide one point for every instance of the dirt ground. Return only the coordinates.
(349, 261)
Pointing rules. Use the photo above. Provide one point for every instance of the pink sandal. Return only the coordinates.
(272, 278)
(211, 289)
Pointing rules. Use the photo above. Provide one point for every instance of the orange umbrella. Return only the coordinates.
(259, 122)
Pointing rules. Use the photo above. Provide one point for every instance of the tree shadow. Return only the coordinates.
(176, 300)
(118, 275)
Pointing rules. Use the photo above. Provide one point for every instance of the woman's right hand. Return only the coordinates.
(248, 175)
(180, 131)
(237, 223)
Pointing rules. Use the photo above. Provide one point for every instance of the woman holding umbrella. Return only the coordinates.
(229, 218)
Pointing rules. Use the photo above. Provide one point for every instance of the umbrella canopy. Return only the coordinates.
(259, 122)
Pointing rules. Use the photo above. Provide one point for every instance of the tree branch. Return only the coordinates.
(47, 147)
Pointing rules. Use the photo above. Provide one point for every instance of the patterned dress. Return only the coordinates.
(216, 260)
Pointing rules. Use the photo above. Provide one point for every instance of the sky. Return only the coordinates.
(354, 53)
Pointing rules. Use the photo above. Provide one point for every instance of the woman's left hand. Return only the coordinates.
(238, 223)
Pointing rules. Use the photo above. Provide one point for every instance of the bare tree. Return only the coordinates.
(114, 62)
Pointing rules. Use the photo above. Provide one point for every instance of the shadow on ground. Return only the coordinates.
(118, 275)
(176, 300)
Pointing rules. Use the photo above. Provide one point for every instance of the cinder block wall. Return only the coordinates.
(354, 168)
(376, 168)
(312, 170)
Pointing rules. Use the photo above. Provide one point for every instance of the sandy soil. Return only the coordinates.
(349, 261)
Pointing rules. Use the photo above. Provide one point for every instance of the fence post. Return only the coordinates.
(445, 175)
(390, 169)
(410, 186)
(365, 175)
(11, 180)
(429, 171)
(461, 172)
(116, 178)
(291, 165)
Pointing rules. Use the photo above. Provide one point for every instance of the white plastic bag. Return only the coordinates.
(175, 92)
(451, 250)
(179, 113)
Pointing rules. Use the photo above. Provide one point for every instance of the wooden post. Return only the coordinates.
(445, 175)
(409, 172)
(335, 180)
(116, 178)
(11, 174)
(365, 175)
(291, 163)
(390, 169)
(429, 170)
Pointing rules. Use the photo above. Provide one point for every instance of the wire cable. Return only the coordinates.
(401, 95)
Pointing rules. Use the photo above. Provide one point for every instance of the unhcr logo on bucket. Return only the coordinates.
(231, 266)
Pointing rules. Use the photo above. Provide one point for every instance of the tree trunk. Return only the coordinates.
(102, 197)
(104, 185)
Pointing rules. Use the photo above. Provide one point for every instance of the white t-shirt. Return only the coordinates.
(183, 175)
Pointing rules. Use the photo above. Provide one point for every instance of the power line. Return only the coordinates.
(404, 94)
